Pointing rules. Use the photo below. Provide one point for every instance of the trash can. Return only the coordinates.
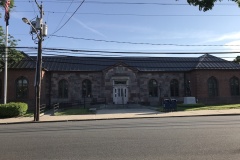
(173, 105)
(166, 105)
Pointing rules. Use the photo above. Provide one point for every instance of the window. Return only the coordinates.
(63, 89)
(21, 88)
(174, 88)
(153, 88)
(86, 88)
(212, 87)
(234, 85)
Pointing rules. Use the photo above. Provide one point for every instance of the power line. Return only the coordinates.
(61, 19)
(64, 15)
(145, 43)
(138, 15)
(102, 51)
(128, 3)
(137, 58)
(33, 7)
(70, 17)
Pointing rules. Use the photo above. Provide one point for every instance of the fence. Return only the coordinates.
(42, 108)
(55, 108)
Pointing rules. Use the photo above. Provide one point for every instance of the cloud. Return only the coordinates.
(124, 27)
(233, 46)
(225, 37)
(89, 28)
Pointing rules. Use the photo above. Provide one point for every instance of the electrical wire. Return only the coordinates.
(60, 21)
(144, 43)
(138, 15)
(121, 52)
(33, 8)
(128, 3)
(69, 17)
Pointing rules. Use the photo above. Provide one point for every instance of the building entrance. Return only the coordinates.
(120, 92)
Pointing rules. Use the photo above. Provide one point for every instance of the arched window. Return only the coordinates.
(174, 88)
(63, 89)
(21, 88)
(153, 88)
(234, 85)
(212, 87)
(86, 88)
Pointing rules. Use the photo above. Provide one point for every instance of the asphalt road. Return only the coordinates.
(159, 138)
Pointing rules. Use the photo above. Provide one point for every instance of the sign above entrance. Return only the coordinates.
(120, 82)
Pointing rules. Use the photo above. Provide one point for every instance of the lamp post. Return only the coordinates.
(38, 74)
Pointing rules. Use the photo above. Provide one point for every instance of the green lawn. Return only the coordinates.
(202, 107)
(74, 111)
(181, 107)
(28, 114)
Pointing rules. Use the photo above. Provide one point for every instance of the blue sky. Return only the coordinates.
(159, 23)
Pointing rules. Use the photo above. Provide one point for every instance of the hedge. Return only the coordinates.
(13, 109)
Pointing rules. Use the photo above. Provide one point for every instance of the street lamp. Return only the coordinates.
(25, 20)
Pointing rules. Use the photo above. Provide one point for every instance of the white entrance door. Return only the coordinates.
(120, 94)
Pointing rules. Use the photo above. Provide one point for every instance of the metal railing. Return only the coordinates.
(55, 108)
(42, 108)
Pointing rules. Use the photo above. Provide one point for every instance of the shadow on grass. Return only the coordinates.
(210, 107)
(74, 111)
(28, 114)
(197, 107)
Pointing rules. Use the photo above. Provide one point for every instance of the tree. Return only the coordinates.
(205, 5)
(13, 54)
(2, 2)
(237, 59)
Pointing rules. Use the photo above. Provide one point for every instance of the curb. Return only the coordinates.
(104, 119)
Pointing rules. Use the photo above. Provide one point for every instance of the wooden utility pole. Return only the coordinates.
(39, 68)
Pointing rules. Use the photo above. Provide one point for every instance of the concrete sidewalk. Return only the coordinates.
(105, 114)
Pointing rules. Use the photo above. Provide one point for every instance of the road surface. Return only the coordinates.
(150, 139)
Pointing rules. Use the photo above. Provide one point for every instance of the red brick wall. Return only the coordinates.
(199, 86)
(13, 75)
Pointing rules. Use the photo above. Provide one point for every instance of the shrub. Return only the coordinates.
(13, 109)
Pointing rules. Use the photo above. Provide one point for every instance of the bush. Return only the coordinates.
(13, 109)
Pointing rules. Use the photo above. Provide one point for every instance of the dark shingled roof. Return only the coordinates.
(26, 63)
(101, 63)
(57, 63)
(211, 62)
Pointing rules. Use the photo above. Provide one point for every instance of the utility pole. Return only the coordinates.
(39, 68)
(42, 28)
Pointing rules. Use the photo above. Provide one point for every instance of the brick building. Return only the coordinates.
(124, 80)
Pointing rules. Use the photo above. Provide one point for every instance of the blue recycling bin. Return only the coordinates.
(173, 105)
(166, 105)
